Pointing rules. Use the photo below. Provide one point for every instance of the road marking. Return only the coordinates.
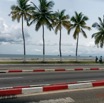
(86, 81)
(38, 85)
(60, 100)
(10, 78)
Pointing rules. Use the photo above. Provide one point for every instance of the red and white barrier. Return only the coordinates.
(18, 91)
(94, 69)
(55, 87)
(78, 69)
(8, 92)
(98, 83)
(79, 86)
(32, 90)
(51, 70)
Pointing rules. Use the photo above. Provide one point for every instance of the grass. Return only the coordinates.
(47, 62)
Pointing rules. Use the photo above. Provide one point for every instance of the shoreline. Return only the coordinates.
(47, 61)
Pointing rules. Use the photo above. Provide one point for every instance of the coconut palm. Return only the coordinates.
(99, 36)
(78, 24)
(21, 11)
(42, 17)
(61, 20)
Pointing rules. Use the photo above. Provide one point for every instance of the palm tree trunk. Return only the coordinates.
(43, 45)
(60, 46)
(77, 47)
(24, 59)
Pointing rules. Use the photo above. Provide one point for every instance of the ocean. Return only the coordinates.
(36, 57)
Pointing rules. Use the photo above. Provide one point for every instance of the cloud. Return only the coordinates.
(11, 34)
(10, 0)
(37, 50)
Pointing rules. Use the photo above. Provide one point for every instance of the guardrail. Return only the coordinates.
(51, 70)
(13, 92)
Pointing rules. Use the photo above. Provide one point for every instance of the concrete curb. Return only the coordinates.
(56, 64)
(22, 91)
(51, 70)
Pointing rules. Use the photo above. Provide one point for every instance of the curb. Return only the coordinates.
(51, 70)
(47, 88)
(39, 85)
(56, 64)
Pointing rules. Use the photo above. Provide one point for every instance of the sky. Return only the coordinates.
(11, 37)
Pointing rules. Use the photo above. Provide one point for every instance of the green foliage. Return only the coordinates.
(21, 9)
(42, 14)
(48, 62)
(79, 24)
(61, 20)
(99, 36)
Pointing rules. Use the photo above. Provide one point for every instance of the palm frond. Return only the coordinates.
(66, 24)
(73, 19)
(84, 34)
(61, 20)
(62, 12)
(72, 26)
(85, 18)
(49, 24)
(22, 8)
(86, 27)
(93, 35)
(38, 25)
(94, 24)
(101, 22)
(79, 23)
(50, 4)
(13, 7)
(58, 27)
(99, 36)
(19, 17)
(76, 32)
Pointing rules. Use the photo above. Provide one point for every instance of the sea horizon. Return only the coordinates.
(33, 56)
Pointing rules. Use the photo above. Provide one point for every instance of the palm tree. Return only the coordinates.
(61, 20)
(42, 16)
(99, 36)
(22, 11)
(79, 23)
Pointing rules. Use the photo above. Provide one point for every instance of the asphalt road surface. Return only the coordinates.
(79, 96)
(23, 79)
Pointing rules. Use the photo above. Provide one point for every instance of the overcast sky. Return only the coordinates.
(11, 38)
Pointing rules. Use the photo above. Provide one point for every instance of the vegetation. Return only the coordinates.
(79, 24)
(43, 15)
(99, 36)
(47, 62)
(21, 11)
(61, 20)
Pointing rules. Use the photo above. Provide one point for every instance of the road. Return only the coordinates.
(18, 79)
(79, 96)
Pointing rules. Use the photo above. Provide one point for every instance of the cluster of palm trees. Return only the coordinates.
(43, 15)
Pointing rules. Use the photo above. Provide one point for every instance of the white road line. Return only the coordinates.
(10, 78)
(60, 100)
(86, 81)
